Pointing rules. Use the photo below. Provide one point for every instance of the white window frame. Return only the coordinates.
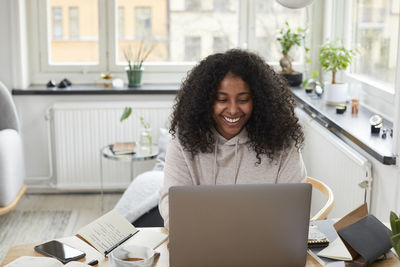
(167, 72)
(44, 66)
(378, 96)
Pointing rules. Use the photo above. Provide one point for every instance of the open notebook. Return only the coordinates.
(112, 230)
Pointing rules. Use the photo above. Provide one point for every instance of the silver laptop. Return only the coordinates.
(239, 225)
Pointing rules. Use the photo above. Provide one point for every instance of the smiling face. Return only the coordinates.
(233, 106)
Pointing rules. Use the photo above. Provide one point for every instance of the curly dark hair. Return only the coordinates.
(272, 125)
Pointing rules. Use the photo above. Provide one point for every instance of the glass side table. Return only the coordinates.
(142, 154)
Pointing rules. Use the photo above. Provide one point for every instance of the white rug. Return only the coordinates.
(20, 227)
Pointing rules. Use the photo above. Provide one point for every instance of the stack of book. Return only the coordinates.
(123, 148)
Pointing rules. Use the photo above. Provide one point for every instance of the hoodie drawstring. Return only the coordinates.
(236, 161)
(215, 162)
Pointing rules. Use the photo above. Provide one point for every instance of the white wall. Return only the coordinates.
(5, 43)
(34, 115)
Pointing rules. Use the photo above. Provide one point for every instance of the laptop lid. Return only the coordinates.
(239, 225)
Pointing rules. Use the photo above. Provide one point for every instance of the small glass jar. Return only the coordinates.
(146, 139)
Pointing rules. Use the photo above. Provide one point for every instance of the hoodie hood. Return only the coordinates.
(221, 143)
(240, 139)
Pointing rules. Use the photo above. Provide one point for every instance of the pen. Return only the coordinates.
(93, 262)
(119, 243)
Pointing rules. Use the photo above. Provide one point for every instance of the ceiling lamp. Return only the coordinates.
(295, 3)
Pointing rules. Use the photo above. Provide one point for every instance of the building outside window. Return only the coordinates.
(192, 5)
(121, 22)
(82, 29)
(375, 35)
(73, 23)
(222, 5)
(57, 23)
(143, 22)
(220, 44)
(192, 48)
(165, 23)
(270, 17)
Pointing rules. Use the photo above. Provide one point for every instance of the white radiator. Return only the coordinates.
(79, 130)
(330, 160)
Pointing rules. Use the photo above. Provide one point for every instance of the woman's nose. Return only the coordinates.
(232, 108)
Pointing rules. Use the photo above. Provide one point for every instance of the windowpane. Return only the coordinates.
(270, 18)
(74, 28)
(73, 23)
(192, 5)
(220, 44)
(173, 26)
(121, 22)
(192, 48)
(222, 5)
(57, 23)
(375, 33)
(143, 22)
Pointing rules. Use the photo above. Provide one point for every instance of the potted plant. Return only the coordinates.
(312, 84)
(395, 238)
(333, 56)
(146, 139)
(135, 59)
(287, 39)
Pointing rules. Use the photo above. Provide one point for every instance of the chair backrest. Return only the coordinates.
(322, 214)
(8, 111)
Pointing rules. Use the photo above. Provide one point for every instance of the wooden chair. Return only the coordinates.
(9, 207)
(322, 214)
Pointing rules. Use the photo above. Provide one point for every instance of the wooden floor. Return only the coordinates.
(87, 206)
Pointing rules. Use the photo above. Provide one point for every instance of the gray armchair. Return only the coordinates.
(12, 167)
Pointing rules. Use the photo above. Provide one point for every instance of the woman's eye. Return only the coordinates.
(243, 100)
(221, 100)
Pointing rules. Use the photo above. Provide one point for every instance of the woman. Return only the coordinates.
(233, 123)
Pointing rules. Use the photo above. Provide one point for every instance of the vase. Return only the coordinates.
(134, 77)
(336, 93)
(294, 79)
(146, 140)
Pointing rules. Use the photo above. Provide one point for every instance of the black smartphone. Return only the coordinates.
(60, 251)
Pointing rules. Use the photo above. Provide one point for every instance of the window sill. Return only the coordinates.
(154, 89)
(353, 130)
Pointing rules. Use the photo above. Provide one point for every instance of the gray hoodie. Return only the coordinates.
(232, 162)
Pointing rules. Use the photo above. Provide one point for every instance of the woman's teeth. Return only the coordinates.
(231, 120)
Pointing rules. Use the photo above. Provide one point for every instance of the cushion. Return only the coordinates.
(12, 169)
(8, 118)
(141, 196)
(163, 141)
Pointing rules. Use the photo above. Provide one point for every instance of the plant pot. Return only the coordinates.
(294, 79)
(134, 77)
(336, 93)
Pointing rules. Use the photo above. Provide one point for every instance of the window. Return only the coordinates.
(375, 35)
(270, 17)
(222, 5)
(192, 5)
(192, 48)
(84, 38)
(220, 44)
(73, 23)
(143, 22)
(80, 46)
(57, 23)
(121, 22)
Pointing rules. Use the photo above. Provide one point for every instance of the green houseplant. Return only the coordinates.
(135, 58)
(395, 238)
(146, 139)
(289, 38)
(334, 57)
